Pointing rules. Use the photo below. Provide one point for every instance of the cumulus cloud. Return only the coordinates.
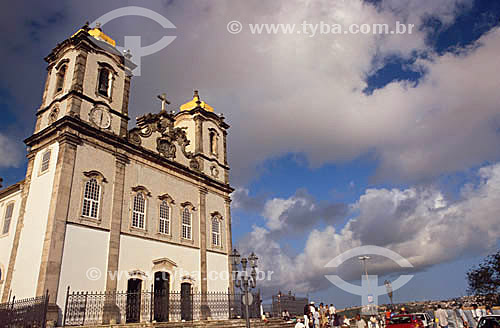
(295, 93)
(299, 213)
(243, 200)
(10, 152)
(418, 223)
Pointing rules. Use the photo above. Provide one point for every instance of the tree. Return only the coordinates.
(484, 280)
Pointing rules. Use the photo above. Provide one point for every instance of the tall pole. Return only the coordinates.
(364, 259)
(247, 310)
(245, 282)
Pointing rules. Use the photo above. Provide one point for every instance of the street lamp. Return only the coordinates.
(245, 282)
(388, 286)
(369, 300)
(364, 259)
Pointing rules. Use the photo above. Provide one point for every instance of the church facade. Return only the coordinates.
(105, 208)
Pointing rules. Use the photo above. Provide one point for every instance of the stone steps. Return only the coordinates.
(273, 323)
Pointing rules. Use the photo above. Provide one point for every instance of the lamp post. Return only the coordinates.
(244, 281)
(364, 259)
(369, 296)
(388, 286)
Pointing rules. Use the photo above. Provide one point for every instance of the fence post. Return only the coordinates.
(66, 307)
(85, 308)
(229, 302)
(151, 305)
(45, 309)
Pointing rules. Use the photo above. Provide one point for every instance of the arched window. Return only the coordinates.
(139, 211)
(215, 232)
(61, 73)
(186, 223)
(45, 162)
(91, 198)
(105, 80)
(213, 142)
(164, 218)
(8, 218)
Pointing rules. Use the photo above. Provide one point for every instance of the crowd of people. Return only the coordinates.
(326, 316)
(468, 318)
(321, 317)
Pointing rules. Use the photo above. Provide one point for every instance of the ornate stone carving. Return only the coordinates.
(214, 171)
(134, 138)
(163, 123)
(194, 164)
(166, 147)
(54, 114)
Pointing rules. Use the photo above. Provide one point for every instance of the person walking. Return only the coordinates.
(442, 317)
(316, 317)
(360, 322)
(307, 310)
(332, 309)
(477, 313)
(323, 320)
(336, 321)
(462, 316)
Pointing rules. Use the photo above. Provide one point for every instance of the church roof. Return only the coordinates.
(196, 103)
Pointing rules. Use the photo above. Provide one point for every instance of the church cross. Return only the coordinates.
(164, 102)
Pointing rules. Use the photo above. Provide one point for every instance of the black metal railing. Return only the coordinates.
(29, 312)
(95, 308)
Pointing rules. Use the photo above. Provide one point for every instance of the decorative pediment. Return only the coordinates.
(167, 198)
(188, 279)
(137, 274)
(164, 264)
(168, 137)
(95, 174)
(216, 215)
(141, 189)
(189, 205)
(164, 261)
(61, 63)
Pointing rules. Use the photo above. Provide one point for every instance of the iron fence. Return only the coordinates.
(96, 308)
(29, 312)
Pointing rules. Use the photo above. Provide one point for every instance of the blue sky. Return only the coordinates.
(336, 141)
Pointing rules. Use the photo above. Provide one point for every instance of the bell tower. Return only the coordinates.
(87, 78)
(207, 132)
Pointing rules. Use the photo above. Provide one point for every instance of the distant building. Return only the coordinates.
(294, 305)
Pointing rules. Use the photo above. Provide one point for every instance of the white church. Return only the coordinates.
(105, 208)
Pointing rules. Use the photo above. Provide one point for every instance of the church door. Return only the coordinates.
(186, 302)
(161, 296)
(134, 300)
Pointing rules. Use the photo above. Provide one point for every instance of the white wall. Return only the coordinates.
(6, 240)
(27, 267)
(84, 262)
(217, 272)
(138, 254)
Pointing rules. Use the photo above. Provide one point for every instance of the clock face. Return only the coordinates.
(101, 118)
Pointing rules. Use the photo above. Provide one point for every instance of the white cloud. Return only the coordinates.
(294, 93)
(415, 222)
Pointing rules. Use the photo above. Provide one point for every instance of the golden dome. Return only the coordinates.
(190, 105)
(97, 33)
